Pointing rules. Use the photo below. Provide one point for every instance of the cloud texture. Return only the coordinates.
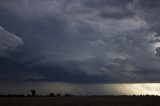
(8, 42)
(82, 41)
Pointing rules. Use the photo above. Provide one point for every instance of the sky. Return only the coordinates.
(80, 41)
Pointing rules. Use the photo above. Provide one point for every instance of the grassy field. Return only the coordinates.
(79, 101)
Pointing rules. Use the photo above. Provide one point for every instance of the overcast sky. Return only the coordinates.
(80, 41)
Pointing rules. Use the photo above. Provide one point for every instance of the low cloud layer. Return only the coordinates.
(82, 41)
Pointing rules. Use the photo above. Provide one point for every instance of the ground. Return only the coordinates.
(79, 101)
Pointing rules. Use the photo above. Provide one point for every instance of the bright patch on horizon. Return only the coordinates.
(140, 89)
(82, 89)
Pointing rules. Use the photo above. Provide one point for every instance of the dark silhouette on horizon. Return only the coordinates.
(33, 92)
(51, 94)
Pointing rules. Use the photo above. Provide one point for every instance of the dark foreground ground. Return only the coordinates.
(79, 101)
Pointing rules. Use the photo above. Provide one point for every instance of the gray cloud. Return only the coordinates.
(8, 42)
(86, 40)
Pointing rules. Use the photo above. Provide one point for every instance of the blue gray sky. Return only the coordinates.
(80, 41)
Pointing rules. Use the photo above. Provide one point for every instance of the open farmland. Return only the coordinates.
(79, 101)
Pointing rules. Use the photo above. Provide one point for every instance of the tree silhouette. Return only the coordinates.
(51, 94)
(33, 92)
(58, 94)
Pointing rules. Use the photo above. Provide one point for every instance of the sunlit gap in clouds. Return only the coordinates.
(155, 41)
(82, 89)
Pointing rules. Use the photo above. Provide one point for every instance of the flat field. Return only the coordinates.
(80, 101)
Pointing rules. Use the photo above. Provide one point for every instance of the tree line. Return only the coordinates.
(33, 93)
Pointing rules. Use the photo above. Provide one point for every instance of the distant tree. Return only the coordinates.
(51, 94)
(33, 92)
(58, 94)
(67, 94)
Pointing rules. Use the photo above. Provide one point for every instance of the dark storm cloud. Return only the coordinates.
(80, 41)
